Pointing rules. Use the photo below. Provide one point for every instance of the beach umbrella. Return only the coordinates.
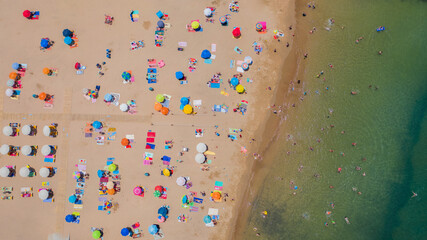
(125, 232)
(125, 142)
(223, 20)
(70, 218)
(216, 195)
(165, 110)
(4, 172)
(10, 82)
(160, 98)
(166, 172)
(236, 32)
(44, 172)
(68, 41)
(13, 75)
(161, 219)
(245, 66)
(137, 191)
(26, 13)
(206, 54)
(240, 89)
(77, 175)
(126, 75)
(112, 167)
(184, 101)
(184, 199)
(72, 199)
(158, 188)
(67, 33)
(46, 150)
(77, 66)
(234, 81)
(97, 124)
(46, 70)
(43, 194)
(195, 25)
(100, 173)
(181, 181)
(44, 43)
(9, 92)
(26, 130)
(96, 234)
(157, 193)
(42, 96)
(16, 66)
(207, 12)
(124, 107)
(207, 219)
(163, 211)
(160, 24)
(24, 172)
(201, 148)
(157, 106)
(108, 97)
(179, 75)
(46, 131)
(200, 158)
(8, 131)
(4, 149)
(110, 185)
(248, 60)
(111, 191)
(188, 109)
(27, 150)
(258, 27)
(153, 229)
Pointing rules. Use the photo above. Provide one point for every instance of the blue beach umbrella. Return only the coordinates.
(100, 173)
(16, 66)
(185, 101)
(207, 219)
(125, 232)
(160, 24)
(108, 97)
(72, 199)
(153, 229)
(97, 124)
(44, 43)
(179, 75)
(206, 54)
(234, 81)
(70, 218)
(126, 75)
(68, 41)
(163, 211)
(67, 33)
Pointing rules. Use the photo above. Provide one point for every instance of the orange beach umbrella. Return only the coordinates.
(42, 96)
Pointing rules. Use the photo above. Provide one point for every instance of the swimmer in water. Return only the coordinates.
(346, 220)
(414, 194)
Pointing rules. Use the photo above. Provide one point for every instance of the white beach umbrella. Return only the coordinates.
(207, 12)
(44, 172)
(8, 131)
(9, 92)
(110, 185)
(201, 148)
(200, 158)
(26, 150)
(24, 172)
(4, 149)
(43, 194)
(46, 150)
(181, 181)
(46, 131)
(124, 107)
(248, 60)
(4, 172)
(26, 130)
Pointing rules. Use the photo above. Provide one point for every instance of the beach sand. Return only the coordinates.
(25, 217)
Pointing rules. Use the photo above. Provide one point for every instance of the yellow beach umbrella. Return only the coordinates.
(195, 25)
(166, 172)
(188, 109)
(240, 89)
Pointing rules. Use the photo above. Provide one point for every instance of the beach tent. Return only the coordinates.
(206, 54)
(100, 173)
(184, 199)
(27, 150)
(179, 75)
(125, 232)
(97, 124)
(67, 33)
(8, 131)
(24, 172)
(159, 14)
(166, 172)
(157, 193)
(201, 147)
(200, 158)
(153, 229)
(96, 234)
(184, 101)
(4, 172)
(160, 98)
(4, 149)
(47, 150)
(43, 194)
(44, 172)
(236, 32)
(181, 181)
(207, 12)
(77, 66)
(26, 130)
(70, 218)
(160, 24)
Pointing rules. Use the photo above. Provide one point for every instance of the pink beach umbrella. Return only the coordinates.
(137, 191)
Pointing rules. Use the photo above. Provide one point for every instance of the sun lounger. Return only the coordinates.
(6, 197)
(35, 15)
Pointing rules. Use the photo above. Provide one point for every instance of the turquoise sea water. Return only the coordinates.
(386, 119)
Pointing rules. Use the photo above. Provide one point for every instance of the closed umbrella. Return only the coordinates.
(67, 33)
(44, 172)
(153, 229)
(201, 148)
(110, 185)
(4, 149)
(4, 172)
(206, 54)
(108, 97)
(10, 82)
(9, 92)
(207, 219)
(200, 158)
(124, 107)
(26, 130)
(27, 150)
(68, 41)
(44, 43)
(24, 172)
(46, 150)
(184, 101)
(207, 12)
(179, 75)
(43, 194)
(160, 24)
(188, 109)
(236, 32)
(181, 181)
(8, 131)
(96, 234)
(97, 124)
(16, 66)
(46, 131)
(234, 81)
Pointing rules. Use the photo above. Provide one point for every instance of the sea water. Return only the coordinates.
(377, 137)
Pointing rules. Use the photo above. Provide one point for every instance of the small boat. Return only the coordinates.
(380, 29)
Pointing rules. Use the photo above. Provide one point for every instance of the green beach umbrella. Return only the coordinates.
(157, 193)
(96, 234)
(160, 98)
(112, 167)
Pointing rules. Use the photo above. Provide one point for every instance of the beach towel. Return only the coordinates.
(152, 63)
(150, 146)
(214, 85)
(161, 64)
(182, 44)
(150, 140)
(240, 70)
(198, 200)
(49, 159)
(238, 50)
(213, 47)
(151, 134)
(208, 61)
(81, 167)
(194, 209)
(231, 64)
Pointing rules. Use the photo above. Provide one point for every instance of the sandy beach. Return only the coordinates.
(72, 112)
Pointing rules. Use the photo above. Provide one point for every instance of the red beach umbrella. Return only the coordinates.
(158, 188)
(236, 32)
(77, 66)
(26, 13)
